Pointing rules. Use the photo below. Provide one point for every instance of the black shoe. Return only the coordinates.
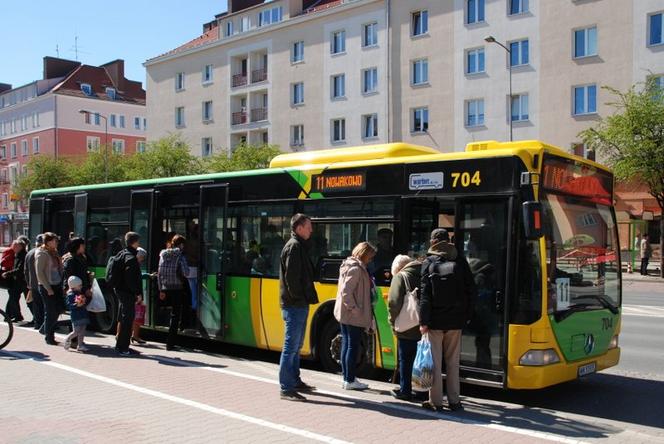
(291, 395)
(456, 407)
(51, 341)
(28, 324)
(171, 347)
(123, 352)
(428, 405)
(398, 394)
(420, 396)
(304, 387)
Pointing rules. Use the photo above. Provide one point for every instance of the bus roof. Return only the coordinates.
(369, 155)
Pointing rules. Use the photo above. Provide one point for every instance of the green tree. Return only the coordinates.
(45, 172)
(243, 157)
(166, 157)
(632, 139)
(97, 165)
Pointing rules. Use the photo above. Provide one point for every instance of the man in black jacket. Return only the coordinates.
(296, 293)
(446, 298)
(128, 288)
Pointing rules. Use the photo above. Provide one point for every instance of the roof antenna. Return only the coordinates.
(57, 50)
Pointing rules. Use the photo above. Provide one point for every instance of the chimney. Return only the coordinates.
(115, 71)
(239, 5)
(55, 67)
(5, 87)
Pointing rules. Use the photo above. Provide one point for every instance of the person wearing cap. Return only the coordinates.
(33, 285)
(76, 303)
(447, 291)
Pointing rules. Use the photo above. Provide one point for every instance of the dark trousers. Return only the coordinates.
(126, 318)
(176, 299)
(350, 346)
(37, 308)
(51, 310)
(407, 349)
(644, 265)
(13, 308)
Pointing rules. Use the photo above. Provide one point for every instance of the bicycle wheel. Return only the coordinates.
(6, 329)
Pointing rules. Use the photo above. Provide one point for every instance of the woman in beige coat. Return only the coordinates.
(353, 310)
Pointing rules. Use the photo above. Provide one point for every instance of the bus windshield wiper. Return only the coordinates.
(605, 303)
(561, 315)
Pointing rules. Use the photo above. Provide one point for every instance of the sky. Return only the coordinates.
(133, 30)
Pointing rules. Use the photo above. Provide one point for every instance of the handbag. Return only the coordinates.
(5, 283)
(422, 376)
(409, 316)
(97, 303)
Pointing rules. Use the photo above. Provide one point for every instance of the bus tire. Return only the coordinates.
(329, 350)
(107, 321)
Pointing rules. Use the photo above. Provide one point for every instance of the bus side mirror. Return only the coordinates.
(532, 220)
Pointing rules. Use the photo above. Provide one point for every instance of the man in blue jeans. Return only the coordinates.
(296, 293)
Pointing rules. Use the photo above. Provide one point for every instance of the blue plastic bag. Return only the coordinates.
(423, 366)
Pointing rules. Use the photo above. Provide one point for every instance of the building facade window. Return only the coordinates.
(179, 81)
(659, 81)
(338, 130)
(338, 42)
(35, 120)
(419, 23)
(97, 119)
(121, 120)
(474, 11)
(24, 147)
(585, 42)
(145, 123)
(35, 145)
(338, 86)
(585, 99)
(5, 200)
(111, 93)
(518, 7)
(137, 123)
(3, 152)
(298, 93)
(229, 28)
(269, 16)
(207, 74)
(297, 135)
(140, 146)
(656, 29)
(475, 61)
(519, 53)
(370, 126)
(92, 143)
(297, 54)
(207, 111)
(370, 80)
(206, 146)
(370, 34)
(245, 24)
(179, 116)
(519, 108)
(420, 72)
(420, 120)
(475, 112)
(113, 120)
(12, 149)
(86, 88)
(118, 146)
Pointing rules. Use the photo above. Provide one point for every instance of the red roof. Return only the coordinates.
(99, 79)
(208, 37)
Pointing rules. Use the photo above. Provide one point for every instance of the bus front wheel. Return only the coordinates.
(329, 346)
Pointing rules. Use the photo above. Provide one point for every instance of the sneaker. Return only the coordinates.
(291, 395)
(304, 387)
(67, 345)
(398, 394)
(82, 348)
(124, 352)
(456, 407)
(355, 385)
(428, 405)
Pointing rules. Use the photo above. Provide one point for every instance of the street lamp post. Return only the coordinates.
(492, 39)
(89, 113)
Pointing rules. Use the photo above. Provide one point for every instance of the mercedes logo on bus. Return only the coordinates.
(590, 344)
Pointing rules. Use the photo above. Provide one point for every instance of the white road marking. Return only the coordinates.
(649, 311)
(184, 401)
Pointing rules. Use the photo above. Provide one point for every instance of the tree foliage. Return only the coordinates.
(169, 156)
(45, 172)
(243, 157)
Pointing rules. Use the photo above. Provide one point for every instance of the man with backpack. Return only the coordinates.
(172, 277)
(123, 274)
(446, 298)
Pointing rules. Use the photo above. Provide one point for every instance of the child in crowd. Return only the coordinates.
(139, 319)
(77, 302)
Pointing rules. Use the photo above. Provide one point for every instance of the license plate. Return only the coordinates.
(587, 369)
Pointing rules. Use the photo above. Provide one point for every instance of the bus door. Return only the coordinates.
(482, 234)
(141, 217)
(38, 208)
(211, 272)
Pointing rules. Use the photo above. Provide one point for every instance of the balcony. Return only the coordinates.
(239, 80)
(239, 118)
(259, 75)
(258, 114)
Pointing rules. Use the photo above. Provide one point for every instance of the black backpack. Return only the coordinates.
(446, 284)
(115, 269)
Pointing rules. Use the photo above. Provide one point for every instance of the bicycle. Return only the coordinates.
(6, 331)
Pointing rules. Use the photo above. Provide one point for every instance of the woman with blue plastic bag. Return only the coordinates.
(353, 309)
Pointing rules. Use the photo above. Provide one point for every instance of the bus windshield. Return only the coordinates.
(582, 258)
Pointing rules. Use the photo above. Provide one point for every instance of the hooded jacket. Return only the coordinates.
(296, 275)
(353, 303)
(410, 273)
(172, 269)
(447, 291)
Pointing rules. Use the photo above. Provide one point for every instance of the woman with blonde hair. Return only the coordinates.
(353, 309)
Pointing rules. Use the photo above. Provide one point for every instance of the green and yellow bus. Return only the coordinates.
(536, 224)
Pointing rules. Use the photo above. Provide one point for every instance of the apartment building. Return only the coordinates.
(43, 118)
(307, 74)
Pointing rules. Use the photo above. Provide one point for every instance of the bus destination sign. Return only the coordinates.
(339, 182)
(567, 176)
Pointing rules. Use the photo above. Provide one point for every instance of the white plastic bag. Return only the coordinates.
(409, 315)
(97, 304)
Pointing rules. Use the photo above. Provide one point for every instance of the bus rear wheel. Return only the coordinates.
(329, 350)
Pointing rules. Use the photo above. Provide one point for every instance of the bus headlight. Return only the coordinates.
(539, 357)
(614, 342)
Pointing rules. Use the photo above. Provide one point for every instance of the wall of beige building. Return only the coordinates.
(648, 60)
